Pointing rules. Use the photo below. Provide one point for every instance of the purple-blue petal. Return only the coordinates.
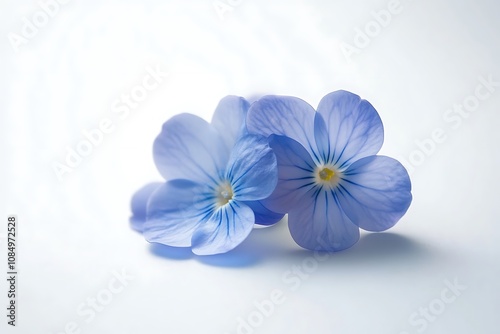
(252, 169)
(322, 138)
(139, 203)
(141, 197)
(354, 127)
(229, 119)
(190, 148)
(224, 230)
(295, 174)
(320, 224)
(264, 216)
(176, 210)
(375, 192)
(284, 116)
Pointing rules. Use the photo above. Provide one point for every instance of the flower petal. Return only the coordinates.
(354, 126)
(295, 174)
(229, 118)
(264, 216)
(175, 210)
(190, 148)
(139, 203)
(321, 137)
(320, 224)
(284, 116)
(225, 229)
(252, 169)
(375, 192)
(141, 197)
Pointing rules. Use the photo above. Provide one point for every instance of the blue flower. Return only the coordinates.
(215, 175)
(330, 180)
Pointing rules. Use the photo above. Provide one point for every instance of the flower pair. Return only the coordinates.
(254, 163)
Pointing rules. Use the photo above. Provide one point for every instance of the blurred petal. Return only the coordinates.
(229, 118)
(139, 203)
(354, 126)
(141, 197)
(252, 169)
(295, 175)
(375, 192)
(137, 224)
(264, 216)
(320, 224)
(225, 229)
(190, 148)
(175, 210)
(284, 116)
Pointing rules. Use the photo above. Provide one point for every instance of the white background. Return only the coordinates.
(74, 233)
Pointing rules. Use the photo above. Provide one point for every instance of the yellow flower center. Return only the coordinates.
(224, 194)
(327, 176)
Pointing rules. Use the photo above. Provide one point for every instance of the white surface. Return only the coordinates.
(74, 233)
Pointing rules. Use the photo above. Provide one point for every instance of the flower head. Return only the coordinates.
(330, 180)
(215, 175)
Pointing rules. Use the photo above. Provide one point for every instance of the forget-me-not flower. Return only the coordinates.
(215, 174)
(330, 180)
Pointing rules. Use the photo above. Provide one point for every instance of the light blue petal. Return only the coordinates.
(229, 118)
(141, 197)
(190, 148)
(264, 216)
(252, 169)
(284, 116)
(320, 224)
(375, 192)
(139, 203)
(322, 138)
(295, 175)
(225, 229)
(175, 210)
(354, 126)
